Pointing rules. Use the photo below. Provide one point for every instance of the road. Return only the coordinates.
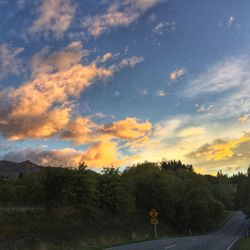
(223, 239)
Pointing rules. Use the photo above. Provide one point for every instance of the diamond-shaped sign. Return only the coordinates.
(153, 213)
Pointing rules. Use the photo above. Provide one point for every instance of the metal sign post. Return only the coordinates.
(155, 229)
(154, 221)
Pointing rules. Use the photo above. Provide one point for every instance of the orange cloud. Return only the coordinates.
(129, 128)
(43, 62)
(42, 156)
(220, 149)
(79, 130)
(137, 143)
(37, 96)
(103, 154)
(105, 57)
(31, 110)
(43, 126)
(84, 130)
(42, 107)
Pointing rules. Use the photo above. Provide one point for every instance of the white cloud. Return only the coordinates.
(21, 3)
(120, 13)
(167, 128)
(127, 62)
(161, 93)
(10, 64)
(191, 131)
(204, 108)
(163, 143)
(55, 16)
(143, 92)
(152, 18)
(230, 21)
(244, 118)
(174, 75)
(230, 78)
(231, 73)
(163, 27)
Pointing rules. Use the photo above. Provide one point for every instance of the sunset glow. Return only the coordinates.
(117, 82)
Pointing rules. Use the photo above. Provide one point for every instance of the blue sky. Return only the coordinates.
(117, 82)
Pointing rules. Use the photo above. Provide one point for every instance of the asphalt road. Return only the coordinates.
(223, 239)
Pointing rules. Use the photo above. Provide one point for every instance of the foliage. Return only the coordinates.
(184, 199)
(243, 194)
(243, 244)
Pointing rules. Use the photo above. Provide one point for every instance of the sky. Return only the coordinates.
(116, 82)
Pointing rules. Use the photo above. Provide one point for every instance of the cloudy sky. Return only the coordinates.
(115, 82)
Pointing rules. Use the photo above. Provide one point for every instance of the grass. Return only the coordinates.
(67, 229)
(243, 244)
(219, 223)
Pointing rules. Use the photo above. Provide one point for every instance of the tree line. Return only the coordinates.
(183, 198)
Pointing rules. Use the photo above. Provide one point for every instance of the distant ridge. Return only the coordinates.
(13, 169)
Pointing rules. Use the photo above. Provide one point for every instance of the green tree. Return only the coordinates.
(113, 196)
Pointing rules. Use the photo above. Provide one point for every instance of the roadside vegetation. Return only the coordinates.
(62, 208)
(243, 244)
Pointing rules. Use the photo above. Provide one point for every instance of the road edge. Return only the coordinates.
(232, 245)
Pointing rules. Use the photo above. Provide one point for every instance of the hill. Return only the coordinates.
(14, 169)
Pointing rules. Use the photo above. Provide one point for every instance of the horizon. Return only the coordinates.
(115, 83)
(121, 169)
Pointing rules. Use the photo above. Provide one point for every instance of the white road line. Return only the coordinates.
(231, 245)
(170, 246)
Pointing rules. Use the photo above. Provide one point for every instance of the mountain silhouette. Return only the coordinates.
(13, 169)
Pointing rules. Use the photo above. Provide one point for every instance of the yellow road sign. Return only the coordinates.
(154, 221)
(153, 213)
